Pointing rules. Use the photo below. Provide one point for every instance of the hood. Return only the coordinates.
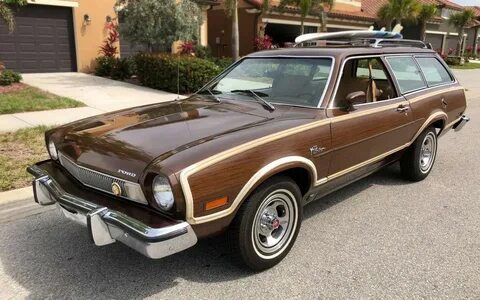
(123, 143)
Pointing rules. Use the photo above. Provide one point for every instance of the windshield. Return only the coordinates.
(294, 81)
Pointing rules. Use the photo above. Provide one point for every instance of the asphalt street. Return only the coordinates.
(381, 237)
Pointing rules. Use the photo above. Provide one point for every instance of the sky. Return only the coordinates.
(468, 2)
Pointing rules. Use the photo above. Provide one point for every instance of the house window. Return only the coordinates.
(446, 13)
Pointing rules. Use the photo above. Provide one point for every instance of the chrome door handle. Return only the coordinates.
(402, 108)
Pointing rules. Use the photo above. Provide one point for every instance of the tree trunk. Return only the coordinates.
(235, 34)
(475, 42)
(323, 21)
(302, 27)
(423, 32)
(388, 25)
(460, 42)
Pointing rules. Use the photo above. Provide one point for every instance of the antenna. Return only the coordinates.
(178, 80)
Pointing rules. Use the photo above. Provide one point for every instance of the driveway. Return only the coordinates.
(381, 237)
(99, 93)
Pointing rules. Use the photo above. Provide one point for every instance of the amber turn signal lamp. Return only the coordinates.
(216, 203)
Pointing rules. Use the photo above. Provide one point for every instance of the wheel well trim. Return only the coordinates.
(252, 183)
(300, 161)
(436, 116)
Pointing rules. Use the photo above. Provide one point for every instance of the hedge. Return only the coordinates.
(161, 72)
(115, 68)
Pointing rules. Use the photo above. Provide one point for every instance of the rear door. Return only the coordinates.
(373, 129)
(450, 97)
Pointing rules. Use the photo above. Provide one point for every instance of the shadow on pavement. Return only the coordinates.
(52, 258)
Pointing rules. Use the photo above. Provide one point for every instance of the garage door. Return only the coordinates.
(43, 40)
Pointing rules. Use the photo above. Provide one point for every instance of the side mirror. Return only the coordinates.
(355, 98)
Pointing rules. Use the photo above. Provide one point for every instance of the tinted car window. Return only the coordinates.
(407, 73)
(433, 70)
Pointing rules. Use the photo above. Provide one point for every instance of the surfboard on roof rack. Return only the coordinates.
(348, 35)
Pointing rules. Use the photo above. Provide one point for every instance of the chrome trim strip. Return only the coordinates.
(192, 169)
(133, 191)
(106, 226)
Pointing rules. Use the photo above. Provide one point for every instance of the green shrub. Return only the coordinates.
(222, 62)
(453, 60)
(115, 68)
(160, 72)
(104, 65)
(122, 69)
(202, 52)
(8, 77)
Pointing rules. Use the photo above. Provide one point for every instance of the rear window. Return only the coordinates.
(407, 73)
(434, 72)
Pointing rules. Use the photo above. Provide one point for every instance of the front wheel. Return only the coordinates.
(267, 224)
(418, 160)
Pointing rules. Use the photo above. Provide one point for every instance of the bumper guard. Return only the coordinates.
(106, 226)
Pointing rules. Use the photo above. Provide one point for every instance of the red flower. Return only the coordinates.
(263, 43)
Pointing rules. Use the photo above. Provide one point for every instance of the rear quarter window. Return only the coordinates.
(434, 72)
(406, 72)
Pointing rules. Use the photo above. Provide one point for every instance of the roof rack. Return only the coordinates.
(359, 38)
(366, 42)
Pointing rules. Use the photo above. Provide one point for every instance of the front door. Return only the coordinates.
(370, 119)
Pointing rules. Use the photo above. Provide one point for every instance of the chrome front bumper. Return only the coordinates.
(105, 226)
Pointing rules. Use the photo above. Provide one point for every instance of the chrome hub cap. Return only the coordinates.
(427, 152)
(274, 222)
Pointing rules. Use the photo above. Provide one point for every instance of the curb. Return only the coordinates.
(16, 195)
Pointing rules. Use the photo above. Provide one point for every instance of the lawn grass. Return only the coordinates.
(18, 150)
(467, 66)
(33, 99)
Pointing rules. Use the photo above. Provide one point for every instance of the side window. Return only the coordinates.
(433, 70)
(363, 71)
(367, 79)
(407, 73)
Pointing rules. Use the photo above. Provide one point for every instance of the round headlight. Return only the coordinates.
(162, 192)
(52, 150)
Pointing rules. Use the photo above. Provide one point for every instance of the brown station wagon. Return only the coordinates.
(274, 132)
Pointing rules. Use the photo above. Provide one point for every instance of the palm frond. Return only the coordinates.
(6, 14)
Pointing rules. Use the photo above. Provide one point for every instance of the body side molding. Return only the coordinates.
(439, 115)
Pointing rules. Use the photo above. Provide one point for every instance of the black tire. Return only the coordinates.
(416, 163)
(246, 235)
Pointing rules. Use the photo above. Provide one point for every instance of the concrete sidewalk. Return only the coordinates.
(99, 94)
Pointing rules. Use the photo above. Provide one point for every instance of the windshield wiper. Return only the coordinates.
(213, 93)
(256, 95)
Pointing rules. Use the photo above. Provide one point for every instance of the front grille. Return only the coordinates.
(92, 178)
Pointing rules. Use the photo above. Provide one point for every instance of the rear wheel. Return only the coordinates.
(267, 224)
(418, 160)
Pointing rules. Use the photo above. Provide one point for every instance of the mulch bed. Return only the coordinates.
(12, 88)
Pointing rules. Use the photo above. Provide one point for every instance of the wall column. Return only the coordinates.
(204, 27)
(444, 43)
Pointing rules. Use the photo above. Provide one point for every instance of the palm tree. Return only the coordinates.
(307, 7)
(6, 14)
(231, 9)
(323, 5)
(426, 13)
(398, 11)
(459, 20)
